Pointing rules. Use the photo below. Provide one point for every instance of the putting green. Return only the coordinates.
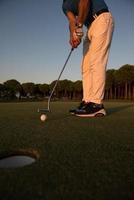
(79, 158)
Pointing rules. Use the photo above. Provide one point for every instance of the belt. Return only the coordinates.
(98, 13)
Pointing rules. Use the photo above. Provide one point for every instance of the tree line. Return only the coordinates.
(119, 85)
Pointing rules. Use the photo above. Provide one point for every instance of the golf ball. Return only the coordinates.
(43, 117)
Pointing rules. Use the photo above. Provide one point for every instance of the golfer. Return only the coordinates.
(94, 14)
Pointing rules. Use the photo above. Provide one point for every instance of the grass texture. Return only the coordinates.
(79, 158)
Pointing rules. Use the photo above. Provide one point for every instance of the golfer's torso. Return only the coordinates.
(71, 5)
(95, 6)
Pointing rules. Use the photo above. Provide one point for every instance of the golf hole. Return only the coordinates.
(18, 159)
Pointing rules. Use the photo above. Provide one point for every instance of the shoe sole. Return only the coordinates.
(100, 113)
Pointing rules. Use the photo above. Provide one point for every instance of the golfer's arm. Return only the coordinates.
(83, 10)
(72, 21)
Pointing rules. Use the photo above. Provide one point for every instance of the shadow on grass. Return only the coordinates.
(112, 110)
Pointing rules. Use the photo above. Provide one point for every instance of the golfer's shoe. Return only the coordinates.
(91, 110)
(81, 105)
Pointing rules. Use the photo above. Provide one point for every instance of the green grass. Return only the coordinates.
(80, 159)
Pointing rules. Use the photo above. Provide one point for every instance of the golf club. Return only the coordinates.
(46, 110)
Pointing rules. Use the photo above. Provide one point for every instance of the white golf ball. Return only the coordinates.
(43, 117)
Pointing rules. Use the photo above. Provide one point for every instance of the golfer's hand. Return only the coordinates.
(74, 40)
(76, 37)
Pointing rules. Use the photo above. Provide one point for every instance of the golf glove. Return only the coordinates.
(79, 31)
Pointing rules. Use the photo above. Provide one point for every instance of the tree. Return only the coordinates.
(64, 88)
(70, 89)
(44, 89)
(12, 88)
(110, 84)
(2, 90)
(125, 80)
(29, 89)
(78, 89)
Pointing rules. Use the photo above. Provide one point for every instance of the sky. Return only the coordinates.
(34, 40)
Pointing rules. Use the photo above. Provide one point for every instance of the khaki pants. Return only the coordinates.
(95, 56)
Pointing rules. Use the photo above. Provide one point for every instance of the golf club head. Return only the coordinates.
(43, 111)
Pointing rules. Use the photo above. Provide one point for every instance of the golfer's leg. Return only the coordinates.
(86, 75)
(97, 57)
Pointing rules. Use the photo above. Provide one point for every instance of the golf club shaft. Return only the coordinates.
(51, 94)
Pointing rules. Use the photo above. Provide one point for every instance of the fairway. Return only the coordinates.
(79, 158)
